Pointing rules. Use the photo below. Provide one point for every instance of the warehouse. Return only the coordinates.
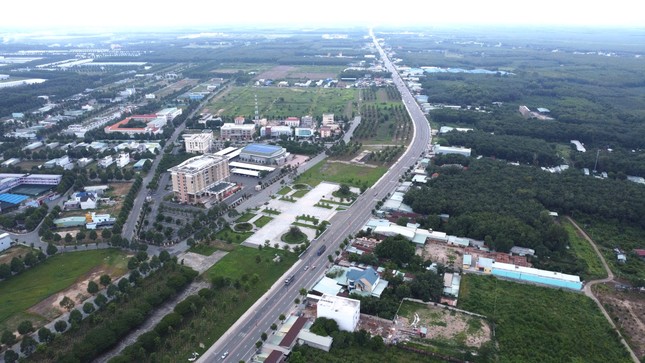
(528, 274)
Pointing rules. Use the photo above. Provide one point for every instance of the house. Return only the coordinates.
(123, 160)
(292, 122)
(5, 241)
(139, 164)
(621, 258)
(106, 161)
(522, 251)
(485, 264)
(366, 281)
(83, 162)
(468, 262)
(346, 312)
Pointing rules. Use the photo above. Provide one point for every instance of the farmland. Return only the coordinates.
(274, 102)
(540, 324)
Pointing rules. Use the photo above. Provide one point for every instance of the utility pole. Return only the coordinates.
(596, 164)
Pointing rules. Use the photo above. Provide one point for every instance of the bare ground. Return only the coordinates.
(276, 72)
(15, 251)
(627, 309)
(442, 253)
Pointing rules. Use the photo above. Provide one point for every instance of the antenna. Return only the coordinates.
(596, 164)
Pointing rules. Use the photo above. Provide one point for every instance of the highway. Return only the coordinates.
(239, 340)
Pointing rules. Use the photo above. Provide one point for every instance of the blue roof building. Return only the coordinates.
(366, 282)
(264, 154)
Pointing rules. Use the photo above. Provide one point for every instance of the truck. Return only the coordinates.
(321, 250)
(288, 280)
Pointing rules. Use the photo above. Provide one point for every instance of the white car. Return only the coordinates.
(225, 355)
(306, 267)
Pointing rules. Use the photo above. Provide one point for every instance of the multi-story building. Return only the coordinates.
(199, 143)
(328, 119)
(237, 132)
(169, 113)
(292, 122)
(307, 122)
(194, 178)
(122, 160)
(239, 120)
(346, 312)
(276, 131)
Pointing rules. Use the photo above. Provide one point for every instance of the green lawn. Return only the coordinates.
(229, 235)
(354, 175)
(541, 324)
(274, 102)
(284, 191)
(245, 217)
(262, 221)
(300, 193)
(583, 250)
(203, 249)
(20, 292)
(292, 238)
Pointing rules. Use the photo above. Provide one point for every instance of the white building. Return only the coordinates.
(328, 119)
(169, 113)
(438, 149)
(276, 131)
(346, 312)
(231, 131)
(122, 160)
(199, 143)
(292, 122)
(308, 122)
(106, 161)
(5, 241)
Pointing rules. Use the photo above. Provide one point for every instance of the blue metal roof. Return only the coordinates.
(369, 274)
(12, 198)
(262, 149)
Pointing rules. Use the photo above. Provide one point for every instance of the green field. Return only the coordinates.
(353, 175)
(541, 324)
(203, 249)
(19, 293)
(300, 193)
(245, 217)
(284, 191)
(276, 102)
(262, 221)
(231, 236)
(584, 252)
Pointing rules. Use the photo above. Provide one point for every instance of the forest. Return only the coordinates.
(507, 205)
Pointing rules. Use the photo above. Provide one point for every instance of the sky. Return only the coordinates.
(142, 14)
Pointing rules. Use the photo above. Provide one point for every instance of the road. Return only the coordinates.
(610, 277)
(129, 226)
(240, 339)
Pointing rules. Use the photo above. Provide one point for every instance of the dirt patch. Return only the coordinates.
(313, 75)
(444, 254)
(120, 189)
(277, 72)
(15, 251)
(627, 309)
(444, 324)
(50, 307)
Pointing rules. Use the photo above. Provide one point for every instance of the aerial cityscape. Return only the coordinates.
(441, 189)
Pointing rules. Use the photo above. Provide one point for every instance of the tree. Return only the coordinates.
(324, 326)
(75, 316)
(25, 327)
(93, 235)
(282, 317)
(67, 303)
(30, 259)
(100, 300)
(106, 234)
(164, 256)
(5, 271)
(45, 335)
(10, 356)
(263, 337)
(68, 238)
(51, 249)
(303, 292)
(92, 287)
(8, 338)
(344, 189)
(112, 290)
(105, 280)
(60, 326)
(397, 249)
(88, 308)
(80, 236)
(17, 265)
(274, 327)
(258, 344)
(28, 345)
(124, 285)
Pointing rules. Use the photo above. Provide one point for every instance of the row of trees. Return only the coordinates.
(28, 219)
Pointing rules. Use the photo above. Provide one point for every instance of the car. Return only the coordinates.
(306, 267)
(313, 267)
(225, 355)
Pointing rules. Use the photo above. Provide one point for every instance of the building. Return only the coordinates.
(326, 132)
(153, 125)
(307, 122)
(276, 131)
(169, 114)
(235, 132)
(199, 143)
(304, 132)
(192, 179)
(122, 160)
(140, 164)
(640, 253)
(5, 241)
(485, 264)
(292, 122)
(239, 120)
(264, 154)
(346, 312)
(63, 162)
(106, 161)
(305, 337)
(522, 251)
(9, 162)
(534, 275)
(83, 162)
(328, 119)
(467, 262)
(366, 282)
(438, 149)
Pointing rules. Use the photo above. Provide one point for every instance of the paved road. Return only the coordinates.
(610, 277)
(240, 339)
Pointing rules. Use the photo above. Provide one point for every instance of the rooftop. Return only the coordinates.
(262, 149)
(338, 303)
(535, 272)
(197, 163)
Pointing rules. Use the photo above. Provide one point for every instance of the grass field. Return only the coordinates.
(284, 191)
(229, 235)
(353, 175)
(276, 102)
(300, 193)
(262, 221)
(583, 250)
(203, 249)
(20, 292)
(540, 324)
(213, 320)
(245, 217)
